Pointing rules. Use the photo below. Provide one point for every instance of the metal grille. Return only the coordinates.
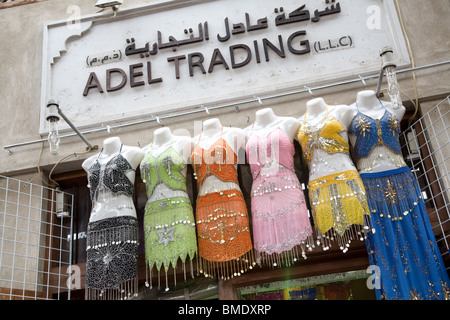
(427, 150)
(35, 253)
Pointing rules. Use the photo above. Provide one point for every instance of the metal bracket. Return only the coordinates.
(55, 103)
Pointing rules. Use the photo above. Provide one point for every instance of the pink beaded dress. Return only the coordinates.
(281, 226)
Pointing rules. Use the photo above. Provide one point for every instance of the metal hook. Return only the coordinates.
(310, 91)
(207, 111)
(10, 151)
(259, 101)
(157, 119)
(363, 81)
(108, 128)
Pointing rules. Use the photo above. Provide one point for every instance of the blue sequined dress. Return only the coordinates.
(403, 248)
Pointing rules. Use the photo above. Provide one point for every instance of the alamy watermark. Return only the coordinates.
(73, 282)
(373, 22)
(73, 21)
(374, 280)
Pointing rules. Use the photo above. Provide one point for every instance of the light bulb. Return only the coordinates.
(53, 136)
(393, 88)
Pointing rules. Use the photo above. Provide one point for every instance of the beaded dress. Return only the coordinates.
(112, 243)
(223, 232)
(403, 246)
(338, 200)
(281, 226)
(169, 224)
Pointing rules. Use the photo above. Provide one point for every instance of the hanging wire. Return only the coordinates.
(413, 61)
(75, 154)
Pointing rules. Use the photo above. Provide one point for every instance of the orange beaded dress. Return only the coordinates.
(224, 241)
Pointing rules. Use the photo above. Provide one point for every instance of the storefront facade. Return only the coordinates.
(152, 64)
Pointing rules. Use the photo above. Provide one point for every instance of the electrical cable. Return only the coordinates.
(75, 154)
(413, 62)
(39, 166)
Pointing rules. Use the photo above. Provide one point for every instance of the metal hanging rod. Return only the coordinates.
(158, 119)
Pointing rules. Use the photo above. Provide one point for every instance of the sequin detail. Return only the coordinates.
(370, 132)
(112, 175)
(224, 241)
(218, 160)
(112, 251)
(166, 169)
(403, 246)
(324, 136)
(340, 209)
(223, 235)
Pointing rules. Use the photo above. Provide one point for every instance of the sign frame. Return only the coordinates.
(59, 35)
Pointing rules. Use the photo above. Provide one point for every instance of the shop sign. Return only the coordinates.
(173, 55)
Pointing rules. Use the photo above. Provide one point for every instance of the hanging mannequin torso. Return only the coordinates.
(336, 191)
(113, 229)
(212, 132)
(403, 236)
(169, 225)
(162, 142)
(266, 123)
(367, 104)
(163, 138)
(112, 202)
(321, 162)
(223, 232)
(281, 224)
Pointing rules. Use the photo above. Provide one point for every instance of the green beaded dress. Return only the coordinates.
(169, 224)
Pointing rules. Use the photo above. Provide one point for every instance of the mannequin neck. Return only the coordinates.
(111, 145)
(367, 100)
(212, 126)
(265, 117)
(315, 107)
(162, 136)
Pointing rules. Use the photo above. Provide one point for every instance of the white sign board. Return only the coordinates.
(174, 55)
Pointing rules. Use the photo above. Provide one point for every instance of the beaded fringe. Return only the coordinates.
(227, 270)
(339, 206)
(149, 274)
(174, 212)
(126, 290)
(376, 154)
(286, 258)
(392, 196)
(112, 252)
(352, 233)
